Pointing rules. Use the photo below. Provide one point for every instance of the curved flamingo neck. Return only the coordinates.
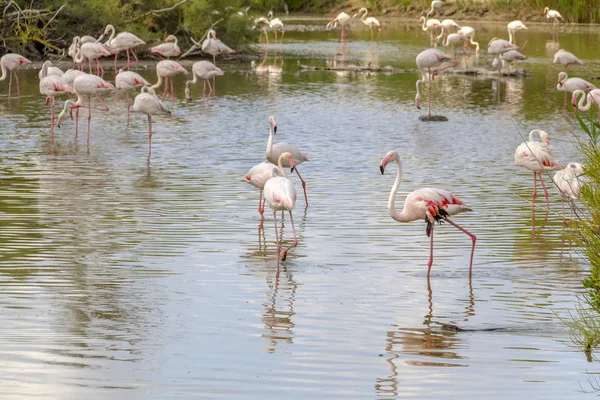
(588, 102)
(400, 217)
(160, 81)
(270, 143)
(279, 164)
(3, 77)
(78, 56)
(510, 36)
(112, 32)
(364, 15)
(424, 23)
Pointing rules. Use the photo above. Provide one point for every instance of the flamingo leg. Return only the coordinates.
(429, 99)
(76, 122)
(9, 84)
(534, 194)
(128, 60)
(261, 210)
(204, 90)
(89, 115)
(545, 191)
(149, 135)
(166, 87)
(303, 184)
(473, 240)
(128, 107)
(116, 54)
(210, 89)
(372, 37)
(90, 66)
(134, 56)
(17, 80)
(295, 239)
(52, 118)
(172, 93)
(282, 33)
(430, 252)
(276, 235)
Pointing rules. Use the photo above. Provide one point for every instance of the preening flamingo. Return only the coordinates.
(570, 85)
(50, 86)
(371, 22)
(257, 177)
(49, 70)
(566, 58)
(435, 6)
(455, 38)
(342, 19)
(167, 69)
(469, 33)
(593, 97)
(147, 102)
(168, 49)
(204, 70)
(426, 60)
(429, 204)
(553, 14)
(276, 25)
(537, 157)
(275, 150)
(126, 81)
(92, 51)
(568, 181)
(280, 195)
(12, 62)
(123, 41)
(513, 27)
(213, 46)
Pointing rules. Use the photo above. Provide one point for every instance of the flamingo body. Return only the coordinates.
(49, 70)
(513, 27)
(566, 58)
(167, 69)
(426, 60)
(12, 62)
(214, 46)
(204, 70)
(568, 182)
(566, 84)
(469, 33)
(167, 49)
(148, 103)
(553, 14)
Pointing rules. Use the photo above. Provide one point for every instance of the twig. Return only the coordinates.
(55, 14)
(156, 12)
(198, 45)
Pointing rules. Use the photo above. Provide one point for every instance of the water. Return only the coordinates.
(125, 277)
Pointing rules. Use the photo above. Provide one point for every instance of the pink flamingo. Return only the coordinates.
(257, 177)
(274, 152)
(86, 86)
(280, 195)
(537, 157)
(49, 70)
(68, 79)
(342, 19)
(570, 85)
(214, 46)
(593, 97)
(167, 49)
(566, 58)
(12, 62)
(50, 86)
(148, 103)
(426, 60)
(127, 81)
(123, 41)
(429, 204)
(204, 70)
(568, 181)
(167, 69)
(92, 51)
(371, 22)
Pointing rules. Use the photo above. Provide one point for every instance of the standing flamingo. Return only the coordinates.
(204, 70)
(469, 33)
(274, 151)
(68, 79)
(455, 38)
(499, 47)
(280, 195)
(426, 60)
(570, 85)
(12, 62)
(127, 81)
(510, 56)
(276, 25)
(566, 58)
(49, 70)
(149, 104)
(50, 86)
(168, 49)
(513, 27)
(167, 69)
(257, 177)
(435, 6)
(593, 97)
(430, 24)
(86, 86)
(429, 204)
(371, 22)
(214, 46)
(341, 19)
(92, 51)
(123, 41)
(553, 14)
(568, 181)
(447, 26)
(537, 157)
(262, 24)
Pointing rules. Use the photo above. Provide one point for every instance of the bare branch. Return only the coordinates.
(198, 45)
(156, 12)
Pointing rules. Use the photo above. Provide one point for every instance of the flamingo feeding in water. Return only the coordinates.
(12, 62)
(429, 24)
(568, 181)
(276, 25)
(537, 157)
(447, 26)
(566, 58)
(342, 19)
(168, 49)
(274, 151)
(435, 6)
(426, 60)
(429, 204)
(570, 85)
(513, 27)
(371, 22)
(257, 177)
(204, 70)
(147, 102)
(123, 41)
(280, 195)
(50, 86)
(127, 81)
(167, 69)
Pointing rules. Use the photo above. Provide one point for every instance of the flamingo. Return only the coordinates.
(537, 157)
(276, 24)
(167, 69)
(68, 79)
(127, 81)
(510, 56)
(86, 86)
(257, 177)
(341, 19)
(371, 22)
(12, 62)
(204, 70)
(566, 58)
(469, 33)
(274, 152)
(593, 97)
(214, 46)
(568, 181)
(553, 14)
(566, 84)
(426, 60)
(49, 70)
(92, 51)
(123, 41)
(262, 23)
(455, 38)
(280, 195)
(429, 24)
(435, 6)
(148, 103)
(447, 26)
(499, 47)
(429, 204)
(168, 49)
(513, 27)
(50, 86)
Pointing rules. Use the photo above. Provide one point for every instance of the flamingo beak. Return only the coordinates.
(292, 164)
(275, 129)
(382, 169)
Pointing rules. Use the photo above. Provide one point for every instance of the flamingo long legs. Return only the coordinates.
(18, 90)
(261, 209)
(89, 115)
(172, 93)
(430, 252)
(166, 87)
(52, 118)
(149, 135)
(276, 235)
(303, 184)
(9, 84)
(473, 240)
(295, 239)
(545, 191)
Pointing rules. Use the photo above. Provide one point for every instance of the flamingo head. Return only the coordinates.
(273, 123)
(544, 137)
(562, 77)
(170, 37)
(418, 101)
(389, 157)
(577, 168)
(119, 71)
(546, 10)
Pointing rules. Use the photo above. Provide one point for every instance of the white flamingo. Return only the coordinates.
(49, 70)
(593, 97)
(566, 58)
(469, 33)
(204, 70)
(123, 41)
(342, 19)
(214, 46)
(447, 26)
(167, 69)
(435, 6)
(429, 24)
(568, 181)
(570, 85)
(12, 62)
(50, 86)
(92, 51)
(167, 49)
(127, 81)
(455, 38)
(553, 14)
(511, 56)
(280, 195)
(147, 102)
(426, 60)
(371, 22)
(276, 25)
(513, 27)
(275, 150)
(429, 204)
(262, 24)
(499, 47)
(257, 177)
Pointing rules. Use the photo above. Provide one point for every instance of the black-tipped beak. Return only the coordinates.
(292, 170)
(275, 129)
(419, 107)
(382, 169)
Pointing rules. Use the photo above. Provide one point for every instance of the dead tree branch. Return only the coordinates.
(157, 12)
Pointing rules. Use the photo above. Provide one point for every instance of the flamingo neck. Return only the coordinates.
(364, 16)
(112, 32)
(279, 164)
(402, 216)
(3, 77)
(424, 22)
(510, 36)
(270, 143)
(588, 104)
(160, 81)
(476, 45)
(78, 56)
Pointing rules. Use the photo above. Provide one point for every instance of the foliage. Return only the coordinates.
(584, 328)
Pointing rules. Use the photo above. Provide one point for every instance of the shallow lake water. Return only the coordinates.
(129, 277)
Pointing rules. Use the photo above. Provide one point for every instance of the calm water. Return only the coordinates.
(124, 277)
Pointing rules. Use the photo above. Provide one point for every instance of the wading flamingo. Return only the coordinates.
(167, 69)
(257, 177)
(213, 46)
(570, 85)
(447, 26)
(123, 41)
(537, 157)
(593, 97)
(429, 24)
(568, 181)
(68, 79)
(92, 51)
(429, 204)
(342, 19)
(371, 22)
(126, 81)
(553, 14)
(147, 102)
(469, 33)
(499, 47)
(276, 25)
(509, 57)
(50, 86)
(513, 27)
(280, 195)
(275, 150)
(168, 49)
(204, 70)
(566, 58)
(426, 60)
(435, 6)
(455, 38)
(12, 62)
(49, 70)
(262, 24)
